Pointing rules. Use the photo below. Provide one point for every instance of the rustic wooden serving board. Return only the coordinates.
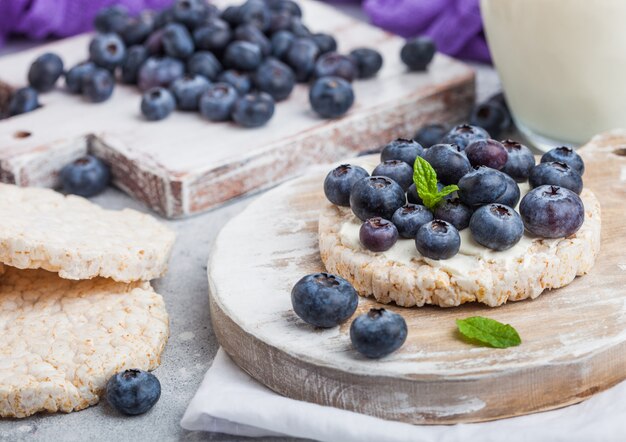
(574, 338)
(186, 165)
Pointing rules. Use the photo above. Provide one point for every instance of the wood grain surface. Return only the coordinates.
(186, 165)
(574, 338)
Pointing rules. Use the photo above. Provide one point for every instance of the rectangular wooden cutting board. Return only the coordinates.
(185, 165)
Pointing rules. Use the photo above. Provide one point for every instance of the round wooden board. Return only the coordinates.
(574, 338)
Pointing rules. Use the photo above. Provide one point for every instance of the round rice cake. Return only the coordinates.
(62, 339)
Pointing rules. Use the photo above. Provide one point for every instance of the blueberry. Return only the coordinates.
(418, 53)
(409, 218)
(301, 56)
(253, 110)
(397, 170)
(339, 182)
(252, 34)
(378, 234)
(289, 6)
(133, 392)
(367, 62)
(482, 186)
(45, 71)
(281, 42)
(187, 91)
(159, 72)
(157, 103)
(511, 195)
(135, 57)
(74, 77)
(376, 196)
(107, 51)
(491, 116)
(163, 18)
(256, 13)
(86, 176)
(23, 100)
(464, 134)
(280, 21)
(438, 239)
(204, 63)
(324, 300)
(455, 212)
(213, 36)
(430, 134)
(177, 41)
(154, 43)
(299, 29)
(333, 64)
(275, 78)
(378, 333)
(189, 12)
(325, 42)
(138, 29)
(552, 212)
(98, 85)
(519, 162)
(331, 97)
(496, 226)
(558, 174)
(490, 153)
(232, 15)
(565, 155)
(239, 80)
(112, 19)
(448, 161)
(403, 150)
(217, 103)
(243, 55)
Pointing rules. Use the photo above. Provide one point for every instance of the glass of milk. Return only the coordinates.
(562, 64)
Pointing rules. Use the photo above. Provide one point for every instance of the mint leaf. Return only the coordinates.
(489, 332)
(425, 179)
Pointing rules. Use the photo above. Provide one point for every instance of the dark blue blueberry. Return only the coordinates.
(133, 392)
(177, 41)
(331, 97)
(339, 182)
(333, 64)
(430, 134)
(157, 103)
(557, 174)
(491, 116)
(565, 155)
(217, 103)
(496, 226)
(253, 110)
(397, 170)
(275, 78)
(281, 42)
(256, 13)
(280, 21)
(500, 100)
(154, 43)
(464, 134)
(239, 80)
(409, 218)
(213, 36)
(490, 153)
(552, 212)
(520, 161)
(324, 300)
(378, 333)
(325, 42)
(112, 19)
(376, 196)
(107, 51)
(413, 197)
(135, 57)
(366, 61)
(289, 6)
(138, 29)
(189, 12)
(438, 239)
(86, 176)
(232, 15)
(74, 77)
(403, 150)
(159, 72)
(482, 186)
(45, 71)
(511, 195)
(299, 29)
(163, 18)
(448, 161)
(252, 34)
(23, 100)
(98, 85)
(378, 234)
(204, 63)
(418, 53)
(187, 91)
(301, 56)
(455, 212)
(243, 55)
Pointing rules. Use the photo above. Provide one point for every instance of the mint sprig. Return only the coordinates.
(425, 179)
(488, 332)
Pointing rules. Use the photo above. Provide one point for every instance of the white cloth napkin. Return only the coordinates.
(229, 401)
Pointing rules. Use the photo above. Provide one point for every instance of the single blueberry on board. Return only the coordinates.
(331, 97)
(366, 61)
(133, 391)
(87, 176)
(45, 71)
(98, 85)
(253, 110)
(157, 103)
(417, 53)
(378, 333)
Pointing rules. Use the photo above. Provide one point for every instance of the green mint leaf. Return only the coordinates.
(425, 179)
(488, 332)
(448, 190)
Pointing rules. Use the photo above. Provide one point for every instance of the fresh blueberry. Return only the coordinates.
(409, 218)
(187, 91)
(519, 162)
(557, 174)
(275, 78)
(325, 42)
(299, 29)
(403, 150)
(163, 18)
(301, 56)
(500, 100)
(490, 153)
(133, 392)
(552, 212)
(376, 196)
(448, 161)
(397, 170)
(74, 77)
(204, 63)
(496, 226)
(86, 176)
(159, 72)
(177, 41)
(280, 21)
(565, 155)
(339, 182)
(112, 19)
(239, 80)
(98, 85)
(135, 57)
(511, 195)
(252, 34)
(378, 333)
(367, 62)
(438, 239)
(464, 134)
(430, 134)
(45, 71)
(491, 116)
(333, 64)
(157, 103)
(138, 29)
(418, 53)
(289, 6)
(482, 186)
(23, 100)
(189, 12)
(213, 36)
(107, 51)
(413, 197)
(154, 43)
(243, 55)
(232, 15)
(253, 110)
(378, 234)
(455, 212)
(217, 103)
(281, 42)
(256, 13)
(331, 97)
(324, 300)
